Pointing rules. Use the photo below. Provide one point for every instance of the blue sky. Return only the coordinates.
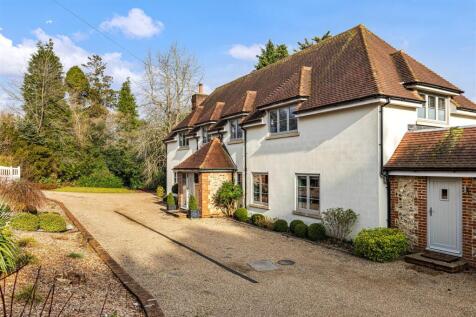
(225, 35)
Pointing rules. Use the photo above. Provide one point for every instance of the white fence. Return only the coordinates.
(9, 173)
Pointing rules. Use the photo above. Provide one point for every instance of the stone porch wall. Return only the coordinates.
(210, 183)
(409, 212)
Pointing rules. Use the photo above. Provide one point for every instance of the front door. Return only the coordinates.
(444, 215)
(189, 188)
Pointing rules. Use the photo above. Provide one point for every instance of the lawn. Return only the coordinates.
(101, 190)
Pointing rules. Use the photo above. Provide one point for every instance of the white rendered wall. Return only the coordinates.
(176, 156)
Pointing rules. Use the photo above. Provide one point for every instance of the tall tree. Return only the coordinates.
(170, 80)
(316, 39)
(43, 93)
(127, 108)
(271, 53)
(77, 86)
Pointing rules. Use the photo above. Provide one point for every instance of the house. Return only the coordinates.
(328, 127)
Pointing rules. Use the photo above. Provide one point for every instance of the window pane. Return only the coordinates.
(292, 119)
(264, 198)
(283, 119)
(441, 109)
(302, 181)
(314, 181)
(422, 111)
(233, 129)
(239, 131)
(273, 121)
(431, 108)
(302, 202)
(314, 204)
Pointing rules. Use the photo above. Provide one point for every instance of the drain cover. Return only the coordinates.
(286, 262)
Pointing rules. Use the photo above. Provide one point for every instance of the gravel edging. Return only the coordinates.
(148, 302)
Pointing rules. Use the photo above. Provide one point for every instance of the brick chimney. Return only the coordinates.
(197, 99)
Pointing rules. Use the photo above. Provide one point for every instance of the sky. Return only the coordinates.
(225, 36)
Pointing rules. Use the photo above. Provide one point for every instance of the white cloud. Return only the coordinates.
(14, 58)
(49, 21)
(240, 51)
(136, 24)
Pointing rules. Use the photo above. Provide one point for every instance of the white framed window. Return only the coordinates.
(434, 108)
(205, 135)
(282, 120)
(260, 189)
(308, 192)
(236, 132)
(175, 178)
(183, 141)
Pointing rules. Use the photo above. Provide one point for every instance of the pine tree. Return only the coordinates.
(76, 83)
(316, 39)
(271, 54)
(46, 113)
(127, 108)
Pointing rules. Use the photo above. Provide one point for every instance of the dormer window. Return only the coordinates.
(434, 108)
(205, 135)
(183, 141)
(282, 120)
(236, 132)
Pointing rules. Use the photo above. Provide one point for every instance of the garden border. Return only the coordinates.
(149, 303)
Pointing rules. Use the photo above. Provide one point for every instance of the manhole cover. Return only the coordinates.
(262, 265)
(286, 262)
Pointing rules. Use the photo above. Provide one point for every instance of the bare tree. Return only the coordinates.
(169, 82)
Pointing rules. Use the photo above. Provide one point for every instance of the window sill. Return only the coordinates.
(183, 148)
(307, 214)
(291, 134)
(259, 206)
(236, 141)
(432, 123)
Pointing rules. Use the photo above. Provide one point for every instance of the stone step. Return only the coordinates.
(450, 267)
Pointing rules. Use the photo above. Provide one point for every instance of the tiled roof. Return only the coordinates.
(353, 65)
(211, 156)
(452, 149)
(464, 103)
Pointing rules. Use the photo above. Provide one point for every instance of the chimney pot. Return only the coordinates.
(200, 88)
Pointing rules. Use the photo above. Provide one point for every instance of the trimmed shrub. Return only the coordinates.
(192, 203)
(160, 192)
(227, 197)
(300, 230)
(170, 200)
(25, 221)
(241, 214)
(175, 188)
(257, 219)
(52, 222)
(100, 178)
(339, 222)
(316, 232)
(281, 225)
(381, 244)
(293, 224)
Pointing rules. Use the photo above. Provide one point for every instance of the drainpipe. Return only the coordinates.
(245, 168)
(384, 174)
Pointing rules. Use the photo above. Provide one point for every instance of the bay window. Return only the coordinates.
(236, 133)
(282, 120)
(434, 108)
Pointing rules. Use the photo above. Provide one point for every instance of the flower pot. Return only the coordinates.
(193, 214)
(171, 207)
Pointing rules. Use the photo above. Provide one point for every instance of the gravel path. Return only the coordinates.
(322, 282)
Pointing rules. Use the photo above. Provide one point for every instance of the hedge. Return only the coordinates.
(381, 244)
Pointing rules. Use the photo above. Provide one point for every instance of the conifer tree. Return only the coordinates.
(270, 54)
(127, 108)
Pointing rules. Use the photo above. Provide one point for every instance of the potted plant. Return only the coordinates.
(171, 202)
(193, 208)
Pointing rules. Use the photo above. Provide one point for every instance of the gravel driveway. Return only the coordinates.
(322, 282)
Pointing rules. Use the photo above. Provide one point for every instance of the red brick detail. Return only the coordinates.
(469, 220)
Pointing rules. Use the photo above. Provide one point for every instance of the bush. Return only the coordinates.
(316, 232)
(339, 222)
(281, 225)
(192, 203)
(381, 244)
(26, 242)
(293, 224)
(52, 222)
(8, 254)
(170, 200)
(266, 222)
(100, 178)
(21, 196)
(256, 219)
(175, 188)
(25, 221)
(300, 230)
(227, 196)
(160, 192)
(241, 214)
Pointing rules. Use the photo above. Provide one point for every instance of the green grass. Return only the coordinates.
(101, 190)
(75, 255)
(26, 294)
(26, 242)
